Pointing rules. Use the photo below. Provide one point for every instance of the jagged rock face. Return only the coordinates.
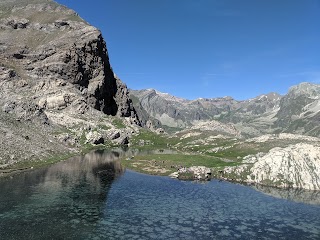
(296, 112)
(299, 110)
(166, 110)
(56, 84)
(296, 166)
(57, 61)
(176, 112)
(162, 107)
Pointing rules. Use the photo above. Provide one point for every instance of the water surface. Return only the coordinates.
(93, 197)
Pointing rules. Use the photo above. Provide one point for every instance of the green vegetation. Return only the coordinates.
(118, 123)
(195, 150)
(171, 130)
(83, 139)
(103, 127)
(153, 140)
(189, 154)
(164, 164)
(238, 151)
(89, 147)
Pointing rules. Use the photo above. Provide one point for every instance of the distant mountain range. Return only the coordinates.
(296, 112)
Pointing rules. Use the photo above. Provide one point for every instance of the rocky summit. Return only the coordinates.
(57, 87)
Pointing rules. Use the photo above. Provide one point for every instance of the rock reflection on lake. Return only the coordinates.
(92, 197)
(53, 202)
(292, 194)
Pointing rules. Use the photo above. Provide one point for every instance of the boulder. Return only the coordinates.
(192, 173)
(94, 137)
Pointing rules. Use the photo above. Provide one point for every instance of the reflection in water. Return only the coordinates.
(297, 195)
(91, 197)
(59, 199)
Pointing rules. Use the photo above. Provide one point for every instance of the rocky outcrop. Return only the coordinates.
(283, 137)
(199, 173)
(299, 110)
(296, 112)
(55, 74)
(296, 166)
(175, 112)
(58, 63)
(164, 108)
(216, 128)
(94, 138)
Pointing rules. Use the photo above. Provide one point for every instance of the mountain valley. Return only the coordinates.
(60, 97)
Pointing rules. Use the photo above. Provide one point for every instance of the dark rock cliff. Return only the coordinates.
(58, 91)
(55, 53)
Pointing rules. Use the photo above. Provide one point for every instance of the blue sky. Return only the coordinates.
(209, 48)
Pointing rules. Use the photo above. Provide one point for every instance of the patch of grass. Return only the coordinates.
(155, 140)
(61, 131)
(89, 147)
(103, 127)
(186, 176)
(188, 145)
(83, 139)
(171, 130)
(118, 123)
(172, 162)
(243, 149)
(234, 153)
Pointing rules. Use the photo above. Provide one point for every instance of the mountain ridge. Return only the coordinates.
(271, 111)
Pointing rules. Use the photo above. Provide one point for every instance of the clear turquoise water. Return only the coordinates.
(92, 197)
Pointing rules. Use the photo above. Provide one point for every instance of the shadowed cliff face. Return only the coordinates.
(55, 73)
(87, 66)
(56, 53)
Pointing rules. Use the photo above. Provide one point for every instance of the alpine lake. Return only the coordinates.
(94, 197)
